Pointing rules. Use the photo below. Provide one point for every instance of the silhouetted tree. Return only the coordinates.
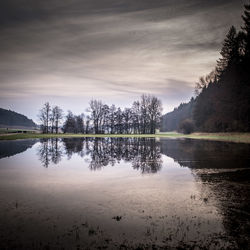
(143, 117)
(70, 125)
(87, 129)
(223, 102)
(154, 112)
(136, 117)
(246, 31)
(95, 109)
(58, 113)
(52, 120)
(79, 124)
(229, 50)
(112, 111)
(44, 116)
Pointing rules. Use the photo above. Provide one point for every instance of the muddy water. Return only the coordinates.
(116, 193)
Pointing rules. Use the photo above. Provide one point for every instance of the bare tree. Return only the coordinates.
(52, 120)
(127, 115)
(136, 117)
(119, 121)
(145, 102)
(154, 110)
(58, 117)
(112, 111)
(142, 117)
(87, 124)
(79, 124)
(96, 108)
(44, 116)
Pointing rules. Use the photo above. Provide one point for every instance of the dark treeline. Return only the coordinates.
(222, 100)
(143, 153)
(172, 120)
(11, 118)
(142, 118)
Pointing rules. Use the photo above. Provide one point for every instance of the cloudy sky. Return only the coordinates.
(70, 51)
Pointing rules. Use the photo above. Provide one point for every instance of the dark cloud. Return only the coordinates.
(109, 49)
(16, 11)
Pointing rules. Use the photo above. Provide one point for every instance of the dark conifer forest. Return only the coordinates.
(172, 120)
(222, 102)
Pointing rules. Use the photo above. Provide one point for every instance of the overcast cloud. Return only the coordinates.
(68, 52)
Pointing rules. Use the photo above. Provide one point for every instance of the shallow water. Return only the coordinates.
(124, 193)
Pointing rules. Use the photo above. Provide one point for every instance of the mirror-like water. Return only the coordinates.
(123, 193)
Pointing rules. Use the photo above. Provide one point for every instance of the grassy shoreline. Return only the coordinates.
(229, 137)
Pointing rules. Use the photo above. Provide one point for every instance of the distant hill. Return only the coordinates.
(171, 120)
(13, 119)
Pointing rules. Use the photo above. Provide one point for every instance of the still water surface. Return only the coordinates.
(124, 193)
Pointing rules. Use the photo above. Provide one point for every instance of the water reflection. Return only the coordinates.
(144, 154)
(223, 170)
(199, 199)
(10, 148)
(201, 154)
(50, 150)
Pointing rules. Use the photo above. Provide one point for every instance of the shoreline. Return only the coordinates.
(227, 137)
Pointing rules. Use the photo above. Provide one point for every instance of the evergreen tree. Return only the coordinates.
(246, 30)
(229, 51)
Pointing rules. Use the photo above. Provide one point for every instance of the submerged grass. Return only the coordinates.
(230, 137)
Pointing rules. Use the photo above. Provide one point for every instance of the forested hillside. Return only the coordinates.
(172, 120)
(11, 118)
(222, 102)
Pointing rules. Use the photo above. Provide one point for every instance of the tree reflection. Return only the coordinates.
(197, 154)
(143, 153)
(73, 146)
(223, 170)
(148, 160)
(49, 151)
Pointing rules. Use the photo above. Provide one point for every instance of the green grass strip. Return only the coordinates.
(229, 137)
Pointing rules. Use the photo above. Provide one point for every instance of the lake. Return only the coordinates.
(124, 193)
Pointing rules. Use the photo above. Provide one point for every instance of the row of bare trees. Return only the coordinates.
(142, 118)
(51, 118)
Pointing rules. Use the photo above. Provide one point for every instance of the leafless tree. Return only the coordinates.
(58, 114)
(95, 109)
(44, 116)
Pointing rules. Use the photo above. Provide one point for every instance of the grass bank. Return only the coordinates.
(230, 137)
